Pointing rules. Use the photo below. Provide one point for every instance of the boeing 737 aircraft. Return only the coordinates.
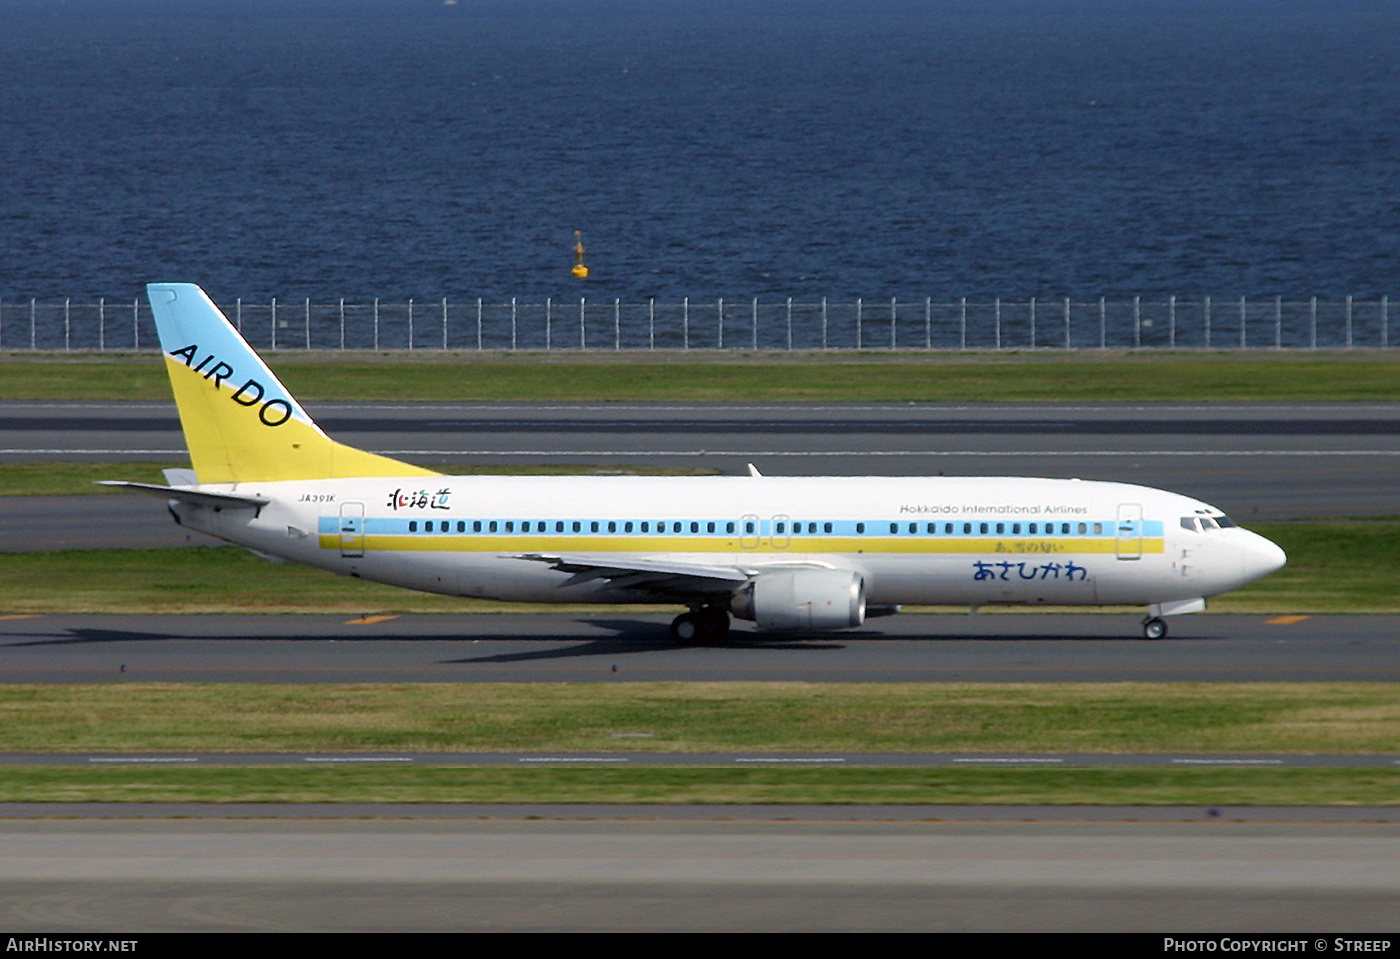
(788, 553)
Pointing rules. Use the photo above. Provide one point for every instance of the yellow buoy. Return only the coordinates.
(579, 270)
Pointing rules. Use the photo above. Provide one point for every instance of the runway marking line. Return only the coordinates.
(22, 616)
(1285, 620)
(369, 620)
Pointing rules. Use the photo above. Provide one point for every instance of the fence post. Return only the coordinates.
(789, 324)
(548, 323)
(1385, 320)
(617, 324)
(962, 323)
(1032, 323)
(101, 324)
(410, 324)
(376, 324)
(685, 323)
(67, 322)
(1312, 323)
(583, 323)
(33, 322)
(894, 333)
(1067, 333)
(1348, 322)
(1137, 322)
(1242, 323)
(721, 323)
(823, 323)
(1207, 322)
(308, 322)
(342, 324)
(928, 322)
(2, 321)
(860, 325)
(996, 325)
(238, 314)
(1171, 321)
(755, 323)
(478, 324)
(1103, 324)
(651, 323)
(136, 323)
(1278, 322)
(444, 323)
(512, 323)
(274, 322)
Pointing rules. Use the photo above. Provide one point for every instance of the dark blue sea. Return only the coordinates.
(768, 148)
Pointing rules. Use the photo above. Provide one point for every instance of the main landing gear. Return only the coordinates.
(702, 626)
(1154, 627)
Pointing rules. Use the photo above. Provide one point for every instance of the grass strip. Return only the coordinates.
(814, 718)
(730, 377)
(715, 785)
(1332, 568)
(79, 479)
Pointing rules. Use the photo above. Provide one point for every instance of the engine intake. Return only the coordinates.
(789, 599)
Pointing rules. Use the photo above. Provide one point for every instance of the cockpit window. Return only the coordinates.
(1224, 521)
(1189, 522)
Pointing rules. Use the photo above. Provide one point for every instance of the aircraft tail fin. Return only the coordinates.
(241, 424)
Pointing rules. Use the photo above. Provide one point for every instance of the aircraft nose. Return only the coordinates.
(1260, 557)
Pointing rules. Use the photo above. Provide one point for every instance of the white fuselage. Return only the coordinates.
(977, 540)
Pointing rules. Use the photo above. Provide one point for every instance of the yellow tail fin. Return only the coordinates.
(240, 422)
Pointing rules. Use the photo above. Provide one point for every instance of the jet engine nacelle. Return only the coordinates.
(788, 599)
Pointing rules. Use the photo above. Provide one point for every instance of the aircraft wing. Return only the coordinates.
(195, 497)
(662, 577)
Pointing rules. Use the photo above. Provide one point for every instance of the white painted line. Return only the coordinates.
(782, 759)
(1228, 762)
(142, 759)
(357, 759)
(1010, 760)
(573, 759)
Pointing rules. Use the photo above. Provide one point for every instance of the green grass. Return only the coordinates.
(1332, 568)
(78, 479)
(704, 717)
(419, 784)
(734, 377)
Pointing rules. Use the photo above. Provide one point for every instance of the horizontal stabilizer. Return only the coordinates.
(194, 497)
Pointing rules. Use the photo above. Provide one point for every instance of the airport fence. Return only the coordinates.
(725, 324)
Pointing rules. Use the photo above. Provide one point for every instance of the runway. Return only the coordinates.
(617, 647)
(396, 876)
(1256, 461)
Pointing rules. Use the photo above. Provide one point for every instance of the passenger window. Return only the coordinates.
(578, 527)
(646, 526)
(894, 527)
(709, 527)
(593, 526)
(413, 526)
(612, 526)
(860, 527)
(826, 527)
(729, 527)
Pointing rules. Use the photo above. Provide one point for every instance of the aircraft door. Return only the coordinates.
(749, 531)
(1129, 540)
(352, 530)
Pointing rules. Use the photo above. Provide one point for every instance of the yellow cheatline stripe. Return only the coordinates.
(368, 620)
(989, 546)
(22, 616)
(1285, 620)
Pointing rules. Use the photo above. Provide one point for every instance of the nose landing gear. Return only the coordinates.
(1154, 627)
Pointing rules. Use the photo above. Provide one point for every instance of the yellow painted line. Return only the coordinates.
(633, 543)
(368, 620)
(22, 616)
(1285, 620)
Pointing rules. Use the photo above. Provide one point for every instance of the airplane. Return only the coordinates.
(790, 554)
